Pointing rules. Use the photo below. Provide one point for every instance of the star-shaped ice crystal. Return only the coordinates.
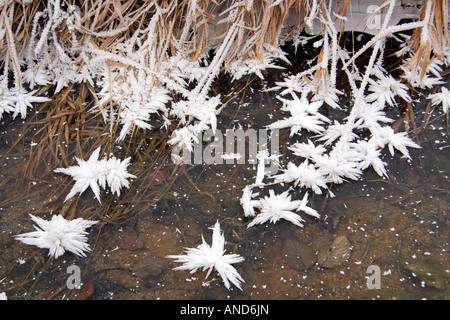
(212, 257)
(59, 235)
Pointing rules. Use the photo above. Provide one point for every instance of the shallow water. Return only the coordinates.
(398, 226)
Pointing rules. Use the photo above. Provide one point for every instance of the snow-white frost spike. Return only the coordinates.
(212, 257)
(59, 235)
(248, 205)
(276, 207)
(385, 89)
(138, 113)
(116, 174)
(86, 174)
(397, 140)
(304, 175)
(306, 209)
(261, 168)
(95, 173)
(18, 101)
(442, 98)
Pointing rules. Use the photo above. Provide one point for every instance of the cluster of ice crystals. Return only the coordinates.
(96, 173)
(212, 257)
(156, 75)
(17, 101)
(280, 206)
(59, 235)
(441, 98)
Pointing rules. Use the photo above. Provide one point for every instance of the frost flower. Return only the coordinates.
(59, 235)
(442, 97)
(304, 115)
(95, 173)
(384, 91)
(212, 257)
(248, 205)
(292, 84)
(304, 175)
(371, 156)
(298, 121)
(138, 113)
(18, 101)
(308, 151)
(303, 207)
(116, 174)
(200, 108)
(276, 207)
(397, 140)
(337, 168)
(85, 174)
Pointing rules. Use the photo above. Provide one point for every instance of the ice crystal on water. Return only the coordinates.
(280, 206)
(146, 71)
(442, 98)
(94, 173)
(208, 257)
(59, 235)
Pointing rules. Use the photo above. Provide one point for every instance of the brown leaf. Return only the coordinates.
(335, 254)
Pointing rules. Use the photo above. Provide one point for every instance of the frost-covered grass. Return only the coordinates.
(150, 66)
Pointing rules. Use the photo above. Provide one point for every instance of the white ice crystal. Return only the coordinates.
(303, 115)
(248, 205)
(240, 68)
(308, 210)
(431, 78)
(212, 257)
(262, 156)
(442, 98)
(200, 108)
(385, 89)
(292, 84)
(95, 173)
(337, 166)
(304, 175)
(371, 153)
(370, 114)
(59, 235)
(397, 140)
(334, 132)
(18, 101)
(275, 207)
(299, 105)
(86, 174)
(137, 111)
(308, 151)
(329, 95)
(116, 174)
(36, 77)
(185, 137)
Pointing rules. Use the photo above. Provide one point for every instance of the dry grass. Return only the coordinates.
(433, 35)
